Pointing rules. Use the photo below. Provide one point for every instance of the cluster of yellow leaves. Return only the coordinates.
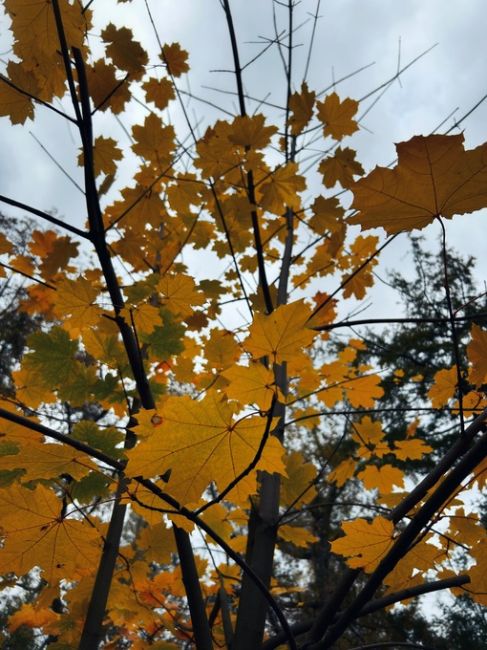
(373, 445)
(213, 438)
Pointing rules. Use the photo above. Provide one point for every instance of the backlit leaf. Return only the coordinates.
(281, 335)
(200, 442)
(337, 116)
(125, 52)
(364, 543)
(434, 176)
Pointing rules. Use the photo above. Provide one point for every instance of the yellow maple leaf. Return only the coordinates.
(154, 141)
(105, 153)
(281, 335)
(14, 104)
(477, 588)
(179, 294)
(54, 252)
(365, 543)
(327, 215)
(5, 245)
(280, 190)
(367, 431)
(434, 176)
(340, 168)
(412, 449)
(34, 26)
(158, 543)
(125, 53)
(221, 349)
(297, 535)
(342, 472)
(201, 442)
(249, 131)
(477, 355)
(297, 487)
(107, 92)
(46, 461)
(301, 107)
(381, 478)
(74, 304)
(175, 59)
(159, 91)
(363, 391)
(36, 535)
(252, 384)
(145, 317)
(444, 387)
(337, 116)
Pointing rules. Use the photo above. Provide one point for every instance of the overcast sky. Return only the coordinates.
(350, 34)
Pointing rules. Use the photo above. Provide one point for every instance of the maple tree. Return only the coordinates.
(142, 427)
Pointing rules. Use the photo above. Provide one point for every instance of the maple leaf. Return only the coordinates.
(221, 349)
(125, 53)
(178, 294)
(32, 617)
(105, 153)
(154, 141)
(280, 191)
(364, 543)
(159, 91)
(340, 168)
(367, 432)
(36, 535)
(45, 461)
(297, 535)
(477, 355)
(175, 59)
(327, 214)
(444, 387)
(337, 116)
(5, 245)
(201, 442)
(54, 251)
(363, 391)
(383, 478)
(250, 132)
(297, 487)
(434, 177)
(252, 384)
(34, 26)
(145, 317)
(14, 104)
(281, 335)
(342, 472)
(107, 92)
(74, 300)
(52, 357)
(301, 106)
(412, 449)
